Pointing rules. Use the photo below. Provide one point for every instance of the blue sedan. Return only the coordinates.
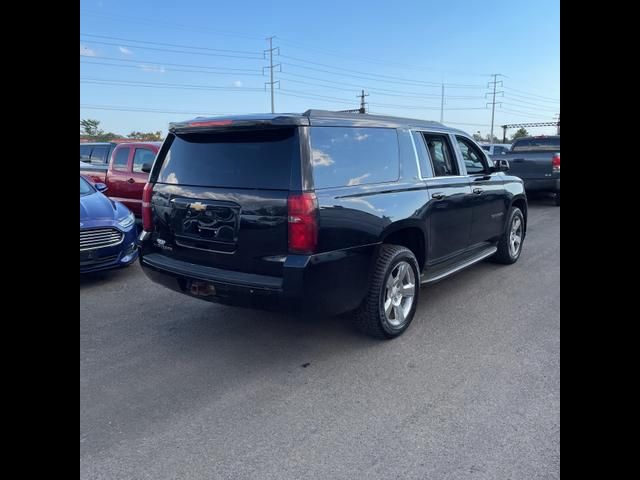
(107, 230)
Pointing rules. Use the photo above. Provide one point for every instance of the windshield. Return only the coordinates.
(85, 187)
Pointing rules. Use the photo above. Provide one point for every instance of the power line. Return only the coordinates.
(532, 94)
(154, 62)
(390, 77)
(145, 110)
(161, 68)
(524, 97)
(528, 104)
(175, 51)
(132, 83)
(247, 52)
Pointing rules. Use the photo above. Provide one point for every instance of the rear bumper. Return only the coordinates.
(542, 185)
(332, 282)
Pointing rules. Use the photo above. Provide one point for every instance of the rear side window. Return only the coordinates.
(235, 159)
(99, 154)
(442, 159)
(142, 156)
(353, 156)
(85, 153)
(120, 159)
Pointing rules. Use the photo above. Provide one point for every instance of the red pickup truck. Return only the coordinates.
(123, 173)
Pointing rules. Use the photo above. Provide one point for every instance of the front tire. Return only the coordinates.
(391, 301)
(510, 245)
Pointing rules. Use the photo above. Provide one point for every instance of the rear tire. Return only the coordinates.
(510, 245)
(391, 301)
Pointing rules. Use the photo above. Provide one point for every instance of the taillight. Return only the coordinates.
(303, 222)
(555, 163)
(147, 223)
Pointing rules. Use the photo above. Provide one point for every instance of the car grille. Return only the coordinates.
(99, 238)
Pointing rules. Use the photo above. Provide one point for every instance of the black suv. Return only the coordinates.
(330, 211)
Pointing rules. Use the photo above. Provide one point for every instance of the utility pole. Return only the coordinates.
(271, 66)
(442, 105)
(362, 104)
(493, 101)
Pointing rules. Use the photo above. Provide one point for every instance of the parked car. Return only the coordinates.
(537, 161)
(327, 211)
(123, 173)
(497, 148)
(107, 230)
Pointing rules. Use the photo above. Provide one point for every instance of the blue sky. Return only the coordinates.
(139, 69)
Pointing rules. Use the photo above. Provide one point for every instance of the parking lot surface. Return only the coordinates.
(174, 387)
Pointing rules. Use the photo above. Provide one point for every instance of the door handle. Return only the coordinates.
(478, 190)
(131, 180)
(438, 196)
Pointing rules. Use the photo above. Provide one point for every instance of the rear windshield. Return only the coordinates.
(236, 159)
(549, 143)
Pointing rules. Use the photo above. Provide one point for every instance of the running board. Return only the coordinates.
(439, 273)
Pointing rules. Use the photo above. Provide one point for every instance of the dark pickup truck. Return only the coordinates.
(325, 211)
(123, 172)
(536, 160)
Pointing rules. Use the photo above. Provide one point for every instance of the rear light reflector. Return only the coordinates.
(147, 222)
(303, 222)
(555, 163)
(210, 123)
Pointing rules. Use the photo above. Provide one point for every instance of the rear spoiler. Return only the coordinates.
(244, 121)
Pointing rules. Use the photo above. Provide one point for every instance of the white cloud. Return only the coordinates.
(152, 68)
(237, 84)
(357, 180)
(125, 50)
(86, 51)
(320, 158)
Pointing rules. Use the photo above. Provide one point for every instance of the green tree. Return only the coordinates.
(148, 136)
(522, 132)
(90, 127)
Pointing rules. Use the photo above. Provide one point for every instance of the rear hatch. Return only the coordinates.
(220, 197)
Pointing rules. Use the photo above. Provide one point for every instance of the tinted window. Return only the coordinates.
(499, 150)
(423, 155)
(99, 154)
(241, 159)
(120, 159)
(353, 156)
(471, 156)
(441, 154)
(547, 143)
(486, 148)
(85, 153)
(142, 156)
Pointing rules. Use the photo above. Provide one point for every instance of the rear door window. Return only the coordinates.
(234, 159)
(142, 156)
(85, 153)
(342, 156)
(120, 159)
(441, 154)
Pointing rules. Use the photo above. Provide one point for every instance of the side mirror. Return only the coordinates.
(101, 187)
(500, 165)
(146, 167)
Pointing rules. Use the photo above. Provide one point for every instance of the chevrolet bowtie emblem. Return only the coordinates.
(198, 206)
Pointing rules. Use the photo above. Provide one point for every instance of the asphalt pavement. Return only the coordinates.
(174, 387)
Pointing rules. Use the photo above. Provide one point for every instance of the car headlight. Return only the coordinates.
(127, 221)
